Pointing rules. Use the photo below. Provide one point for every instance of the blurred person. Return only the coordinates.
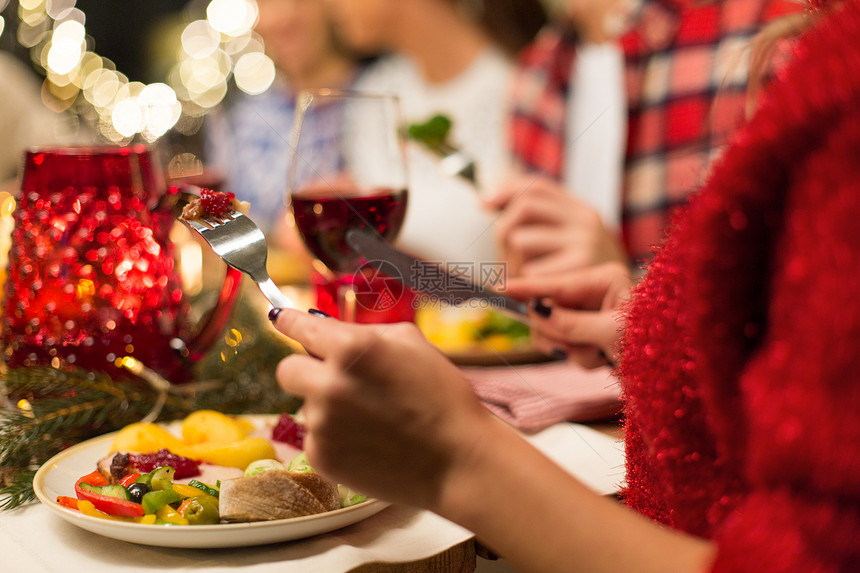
(618, 111)
(738, 357)
(248, 137)
(24, 120)
(450, 57)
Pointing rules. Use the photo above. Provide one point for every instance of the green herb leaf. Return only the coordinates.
(433, 132)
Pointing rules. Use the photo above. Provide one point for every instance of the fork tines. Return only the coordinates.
(210, 221)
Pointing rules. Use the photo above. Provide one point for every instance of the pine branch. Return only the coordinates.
(19, 492)
(82, 406)
(38, 382)
(73, 405)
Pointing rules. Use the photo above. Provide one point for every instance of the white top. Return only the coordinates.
(444, 220)
(597, 130)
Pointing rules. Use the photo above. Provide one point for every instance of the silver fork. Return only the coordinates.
(454, 162)
(242, 245)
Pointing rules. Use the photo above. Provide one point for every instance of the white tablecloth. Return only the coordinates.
(34, 540)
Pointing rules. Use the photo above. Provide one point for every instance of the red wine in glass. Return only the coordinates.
(347, 170)
(324, 216)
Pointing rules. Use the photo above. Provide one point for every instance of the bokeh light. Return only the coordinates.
(127, 117)
(232, 17)
(56, 9)
(211, 52)
(67, 47)
(254, 72)
(200, 39)
(160, 108)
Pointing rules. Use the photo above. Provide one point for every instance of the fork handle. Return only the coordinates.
(274, 294)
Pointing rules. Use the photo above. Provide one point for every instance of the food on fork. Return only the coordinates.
(213, 203)
(432, 133)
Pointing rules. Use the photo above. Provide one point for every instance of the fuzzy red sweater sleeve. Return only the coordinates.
(742, 357)
(799, 393)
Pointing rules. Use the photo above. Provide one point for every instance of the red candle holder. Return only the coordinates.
(92, 276)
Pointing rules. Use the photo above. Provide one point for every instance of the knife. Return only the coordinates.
(414, 272)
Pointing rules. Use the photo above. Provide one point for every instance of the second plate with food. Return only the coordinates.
(478, 337)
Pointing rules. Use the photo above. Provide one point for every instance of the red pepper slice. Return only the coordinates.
(127, 480)
(94, 478)
(107, 504)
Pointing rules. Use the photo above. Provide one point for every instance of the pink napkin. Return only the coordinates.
(537, 396)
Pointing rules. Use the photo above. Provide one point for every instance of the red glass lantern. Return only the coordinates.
(91, 275)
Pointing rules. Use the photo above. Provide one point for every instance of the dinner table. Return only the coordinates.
(398, 539)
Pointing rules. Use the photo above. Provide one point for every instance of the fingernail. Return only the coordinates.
(273, 314)
(318, 312)
(541, 309)
(558, 354)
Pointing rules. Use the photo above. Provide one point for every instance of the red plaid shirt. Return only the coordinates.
(686, 77)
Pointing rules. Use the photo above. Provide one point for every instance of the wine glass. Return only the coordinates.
(348, 171)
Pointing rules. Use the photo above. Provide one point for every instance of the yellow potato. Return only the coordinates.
(500, 342)
(234, 454)
(209, 426)
(144, 438)
(244, 423)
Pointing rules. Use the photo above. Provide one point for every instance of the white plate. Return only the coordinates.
(58, 475)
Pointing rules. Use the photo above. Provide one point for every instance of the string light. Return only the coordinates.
(212, 51)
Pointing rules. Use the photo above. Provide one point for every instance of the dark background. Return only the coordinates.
(125, 31)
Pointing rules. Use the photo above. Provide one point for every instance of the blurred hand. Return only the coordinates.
(386, 412)
(585, 322)
(544, 230)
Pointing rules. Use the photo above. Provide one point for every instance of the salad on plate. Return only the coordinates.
(215, 473)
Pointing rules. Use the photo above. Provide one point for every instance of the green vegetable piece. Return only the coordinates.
(300, 464)
(155, 500)
(162, 478)
(497, 323)
(205, 488)
(260, 466)
(349, 496)
(432, 133)
(159, 472)
(202, 510)
(114, 490)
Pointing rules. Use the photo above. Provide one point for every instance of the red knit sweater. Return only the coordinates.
(741, 358)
